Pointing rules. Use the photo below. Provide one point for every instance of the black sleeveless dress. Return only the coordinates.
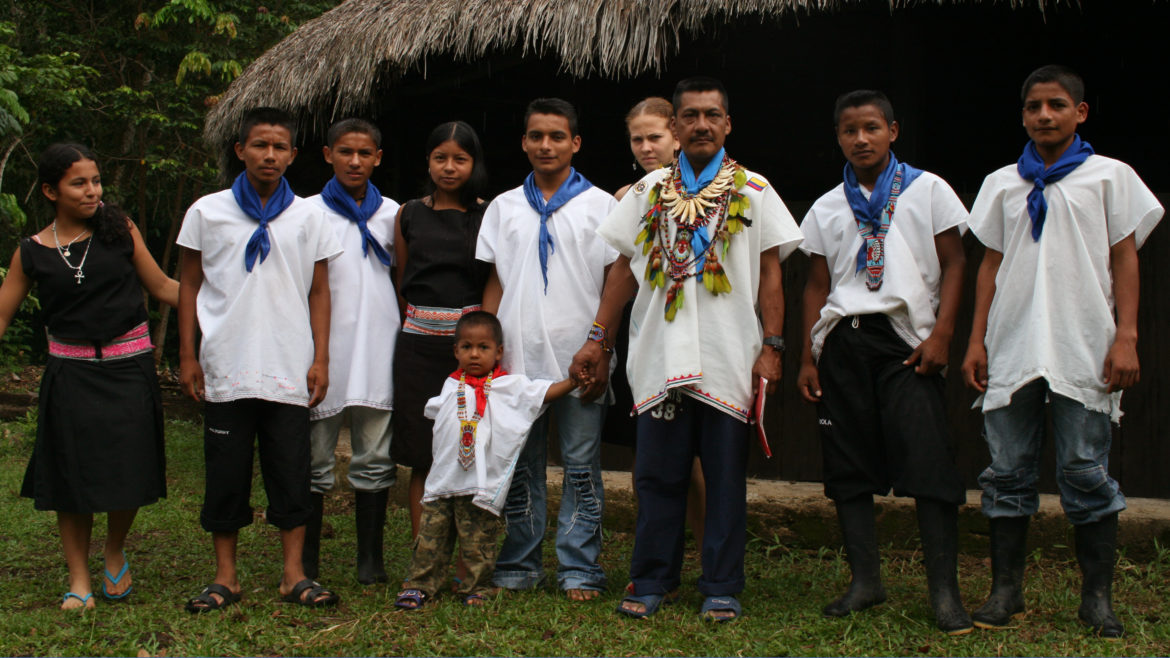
(441, 271)
(99, 445)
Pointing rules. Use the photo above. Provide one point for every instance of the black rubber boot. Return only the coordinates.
(1096, 551)
(370, 516)
(938, 525)
(1009, 536)
(865, 589)
(311, 554)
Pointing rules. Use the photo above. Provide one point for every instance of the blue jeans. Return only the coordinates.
(579, 523)
(1014, 434)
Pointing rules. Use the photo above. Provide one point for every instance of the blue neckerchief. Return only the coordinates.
(700, 238)
(249, 201)
(871, 211)
(692, 184)
(573, 185)
(1031, 168)
(340, 202)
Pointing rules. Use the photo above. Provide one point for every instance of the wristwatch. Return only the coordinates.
(775, 342)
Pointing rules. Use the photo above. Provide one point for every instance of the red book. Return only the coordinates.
(757, 416)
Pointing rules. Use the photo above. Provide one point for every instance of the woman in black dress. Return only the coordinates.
(99, 445)
(439, 279)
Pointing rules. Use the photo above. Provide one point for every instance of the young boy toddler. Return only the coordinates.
(482, 417)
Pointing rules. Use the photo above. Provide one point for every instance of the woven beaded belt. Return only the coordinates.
(132, 343)
(434, 320)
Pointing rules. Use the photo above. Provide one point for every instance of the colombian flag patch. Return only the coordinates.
(756, 184)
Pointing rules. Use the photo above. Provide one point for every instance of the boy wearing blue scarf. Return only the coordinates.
(362, 333)
(548, 268)
(885, 281)
(1061, 228)
(255, 284)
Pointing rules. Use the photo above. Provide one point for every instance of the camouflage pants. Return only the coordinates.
(442, 521)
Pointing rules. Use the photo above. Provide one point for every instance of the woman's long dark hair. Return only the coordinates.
(109, 223)
(463, 135)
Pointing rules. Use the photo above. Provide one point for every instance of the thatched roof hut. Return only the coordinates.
(333, 65)
(952, 69)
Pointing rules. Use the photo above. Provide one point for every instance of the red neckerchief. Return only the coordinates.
(477, 384)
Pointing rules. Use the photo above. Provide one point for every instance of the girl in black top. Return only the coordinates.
(438, 279)
(99, 445)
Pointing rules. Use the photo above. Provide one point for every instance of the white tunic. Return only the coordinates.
(257, 342)
(1052, 314)
(912, 275)
(364, 316)
(714, 340)
(513, 404)
(542, 332)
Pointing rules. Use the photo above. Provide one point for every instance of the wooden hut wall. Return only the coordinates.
(953, 74)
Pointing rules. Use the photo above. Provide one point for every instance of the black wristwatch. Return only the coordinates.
(775, 342)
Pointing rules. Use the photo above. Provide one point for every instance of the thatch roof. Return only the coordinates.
(333, 64)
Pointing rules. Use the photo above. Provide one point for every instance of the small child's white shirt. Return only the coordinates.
(513, 405)
(1052, 314)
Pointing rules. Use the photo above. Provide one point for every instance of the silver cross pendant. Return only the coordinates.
(79, 276)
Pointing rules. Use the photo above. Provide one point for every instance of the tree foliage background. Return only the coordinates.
(132, 80)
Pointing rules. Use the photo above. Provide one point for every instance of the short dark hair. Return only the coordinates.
(860, 98)
(271, 116)
(555, 106)
(699, 83)
(353, 125)
(480, 319)
(465, 136)
(1061, 75)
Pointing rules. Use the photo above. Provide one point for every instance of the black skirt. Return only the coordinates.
(99, 444)
(421, 364)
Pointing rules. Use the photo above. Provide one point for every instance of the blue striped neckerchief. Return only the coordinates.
(339, 201)
(249, 201)
(1031, 168)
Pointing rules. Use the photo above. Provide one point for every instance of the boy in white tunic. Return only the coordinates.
(362, 331)
(884, 285)
(482, 417)
(1061, 229)
(548, 268)
(256, 284)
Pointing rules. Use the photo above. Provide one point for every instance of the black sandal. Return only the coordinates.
(308, 593)
(205, 602)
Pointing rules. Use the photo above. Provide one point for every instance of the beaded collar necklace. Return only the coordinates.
(719, 205)
(467, 425)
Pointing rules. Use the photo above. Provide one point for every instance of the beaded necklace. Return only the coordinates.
(720, 205)
(467, 425)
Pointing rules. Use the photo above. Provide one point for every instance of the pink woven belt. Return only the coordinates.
(132, 343)
(434, 320)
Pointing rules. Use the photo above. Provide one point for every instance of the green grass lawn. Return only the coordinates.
(171, 560)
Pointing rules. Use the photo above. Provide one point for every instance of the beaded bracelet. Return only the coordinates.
(599, 335)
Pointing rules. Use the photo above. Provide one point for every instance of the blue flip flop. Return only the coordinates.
(117, 579)
(727, 603)
(84, 599)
